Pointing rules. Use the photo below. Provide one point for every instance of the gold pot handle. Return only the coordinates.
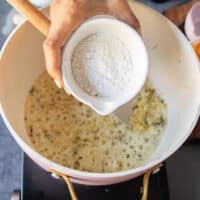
(68, 183)
(145, 187)
(146, 178)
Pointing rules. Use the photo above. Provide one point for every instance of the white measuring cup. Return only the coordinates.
(104, 105)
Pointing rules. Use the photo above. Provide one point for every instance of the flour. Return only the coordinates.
(102, 65)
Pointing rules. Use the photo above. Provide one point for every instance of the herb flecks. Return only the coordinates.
(32, 90)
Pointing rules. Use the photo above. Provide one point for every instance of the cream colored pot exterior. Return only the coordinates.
(174, 70)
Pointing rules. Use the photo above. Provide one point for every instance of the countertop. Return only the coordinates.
(183, 167)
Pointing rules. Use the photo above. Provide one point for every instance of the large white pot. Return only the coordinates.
(174, 70)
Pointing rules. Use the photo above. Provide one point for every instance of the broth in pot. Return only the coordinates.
(73, 135)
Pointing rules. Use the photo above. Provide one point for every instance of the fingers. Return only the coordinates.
(52, 57)
(52, 50)
(131, 20)
(52, 46)
(52, 53)
(123, 12)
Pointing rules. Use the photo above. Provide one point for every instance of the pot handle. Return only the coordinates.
(145, 187)
(146, 178)
(68, 183)
(33, 15)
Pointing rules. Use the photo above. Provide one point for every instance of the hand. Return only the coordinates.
(67, 15)
(178, 13)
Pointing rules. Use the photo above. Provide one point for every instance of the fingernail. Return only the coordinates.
(57, 83)
(59, 86)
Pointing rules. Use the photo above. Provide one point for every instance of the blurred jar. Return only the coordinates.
(196, 47)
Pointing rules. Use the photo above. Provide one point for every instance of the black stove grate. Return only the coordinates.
(40, 185)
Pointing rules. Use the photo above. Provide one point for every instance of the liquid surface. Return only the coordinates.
(71, 134)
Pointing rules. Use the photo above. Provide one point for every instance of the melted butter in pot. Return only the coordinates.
(71, 134)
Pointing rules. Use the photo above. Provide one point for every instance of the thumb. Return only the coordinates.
(124, 13)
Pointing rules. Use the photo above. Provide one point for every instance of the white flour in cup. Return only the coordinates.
(102, 65)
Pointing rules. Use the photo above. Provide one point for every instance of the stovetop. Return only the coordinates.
(39, 184)
(181, 171)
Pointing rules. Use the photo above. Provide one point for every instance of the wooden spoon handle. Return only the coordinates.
(34, 16)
